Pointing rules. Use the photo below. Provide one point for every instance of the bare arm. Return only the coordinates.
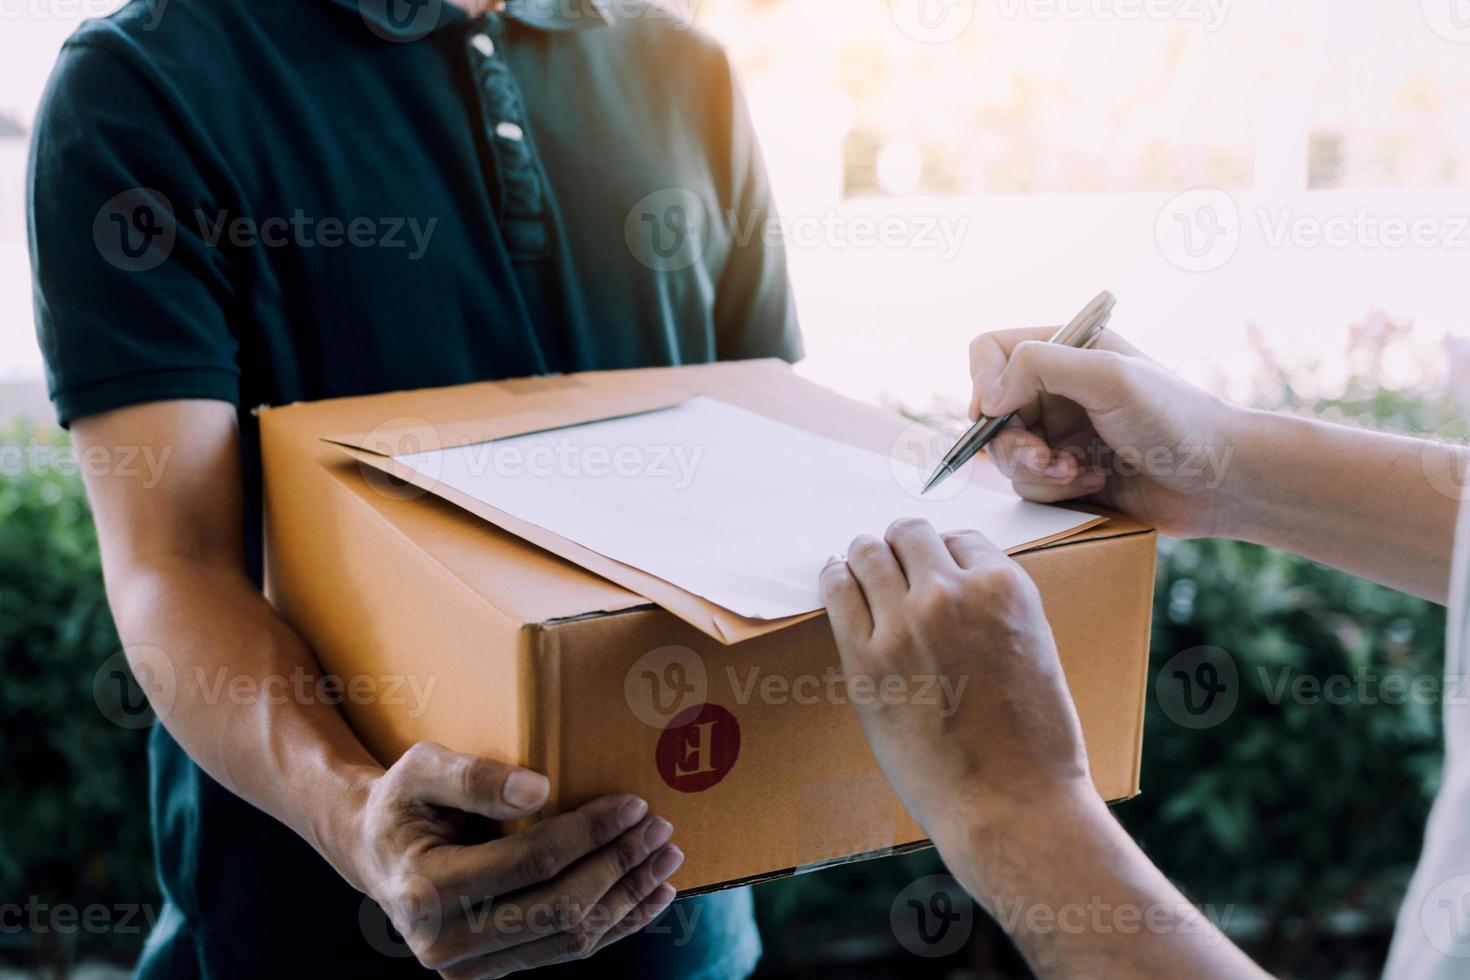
(1379, 506)
(173, 558)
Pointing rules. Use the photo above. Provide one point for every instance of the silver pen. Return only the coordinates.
(1082, 332)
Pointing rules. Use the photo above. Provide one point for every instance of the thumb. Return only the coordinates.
(472, 783)
(1097, 380)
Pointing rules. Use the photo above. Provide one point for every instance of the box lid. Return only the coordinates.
(356, 437)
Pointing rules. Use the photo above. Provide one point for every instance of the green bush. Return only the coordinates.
(73, 801)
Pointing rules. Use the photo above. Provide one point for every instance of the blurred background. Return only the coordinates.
(1279, 195)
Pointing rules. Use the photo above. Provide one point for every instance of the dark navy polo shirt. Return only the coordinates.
(266, 201)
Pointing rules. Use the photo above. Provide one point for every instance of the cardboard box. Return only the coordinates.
(748, 747)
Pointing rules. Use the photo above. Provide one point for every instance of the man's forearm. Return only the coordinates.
(1080, 899)
(1379, 506)
(235, 669)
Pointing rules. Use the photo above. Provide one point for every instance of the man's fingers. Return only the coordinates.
(638, 885)
(644, 914)
(919, 549)
(971, 549)
(990, 353)
(843, 597)
(556, 949)
(555, 927)
(1097, 380)
(434, 774)
(536, 855)
(1018, 451)
(1045, 491)
(878, 573)
(643, 854)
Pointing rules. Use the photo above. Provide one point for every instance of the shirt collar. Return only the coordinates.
(409, 20)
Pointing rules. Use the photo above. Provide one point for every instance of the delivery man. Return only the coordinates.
(1002, 785)
(237, 203)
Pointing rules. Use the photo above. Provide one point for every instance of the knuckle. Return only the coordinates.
(414, 896)
(866, 548)
(568, 913)
(942, 597)
(420, 754)
(538, 860)
(1004, 579)
(603, 827)
(577, 944)
(1026, 352)
(478, 777)
(434, 958)
(629, 854)
(1122, 371)
(905, 526)
(835, 572)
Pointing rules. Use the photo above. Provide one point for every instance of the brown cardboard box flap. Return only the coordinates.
(379, 447)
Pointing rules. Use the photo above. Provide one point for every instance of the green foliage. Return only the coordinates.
(1305, 802)
(73, 802)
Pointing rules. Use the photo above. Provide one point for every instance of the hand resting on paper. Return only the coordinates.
(997, 775)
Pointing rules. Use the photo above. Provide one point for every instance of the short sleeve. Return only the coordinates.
(755, 313)
(131, 299)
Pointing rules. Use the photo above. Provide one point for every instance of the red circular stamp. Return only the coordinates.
(698, 748)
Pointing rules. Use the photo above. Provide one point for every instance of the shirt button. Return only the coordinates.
(483, 45)
(509, 131)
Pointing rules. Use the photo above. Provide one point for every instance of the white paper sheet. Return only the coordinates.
(727, 504)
